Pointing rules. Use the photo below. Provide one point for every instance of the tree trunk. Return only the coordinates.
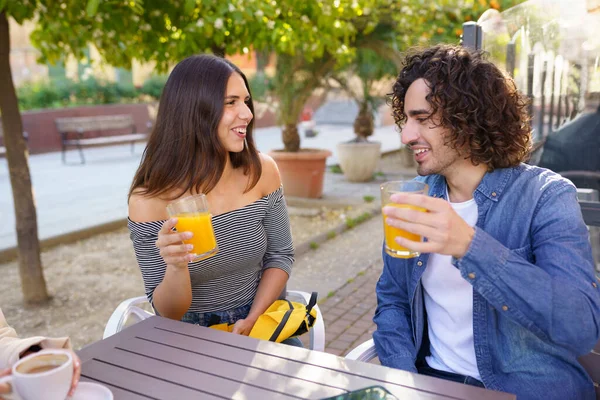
(291, 138)
(262, 60)
(30, 265)
(364, 123)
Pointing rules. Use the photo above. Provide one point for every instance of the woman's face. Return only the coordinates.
(236, 114)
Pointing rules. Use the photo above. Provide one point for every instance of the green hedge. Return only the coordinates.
(67, 93)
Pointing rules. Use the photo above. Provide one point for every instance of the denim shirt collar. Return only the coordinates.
(491, 186)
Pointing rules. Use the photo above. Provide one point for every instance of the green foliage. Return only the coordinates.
(260, 86)
(368, 199)
(153, 86)
(64, 93)
(331, 294)
(331, 234)
(166, 32)
(352, 222)
(336, 169)
(312, 38)
(363, 217)
(44, 94)
(314, 245)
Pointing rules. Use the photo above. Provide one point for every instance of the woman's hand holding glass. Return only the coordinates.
(446, 232)
(171, 246)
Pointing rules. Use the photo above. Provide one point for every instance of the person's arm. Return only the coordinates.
(163, 258)
(279, 256)
(556, 297)
(12, 347)
(394, 338)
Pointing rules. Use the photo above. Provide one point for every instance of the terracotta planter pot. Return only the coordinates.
(302, 172)
(359, 160)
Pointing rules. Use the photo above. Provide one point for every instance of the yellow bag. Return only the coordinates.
(282, 320)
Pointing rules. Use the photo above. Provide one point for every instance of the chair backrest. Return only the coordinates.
(97, 123)
(591, 363)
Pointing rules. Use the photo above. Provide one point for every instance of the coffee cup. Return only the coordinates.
(46, 375)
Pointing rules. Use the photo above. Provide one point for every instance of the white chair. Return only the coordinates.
(363, 352)
(129, 312)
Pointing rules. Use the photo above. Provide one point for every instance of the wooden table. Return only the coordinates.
(160, 358)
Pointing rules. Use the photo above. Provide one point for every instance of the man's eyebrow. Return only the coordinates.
(415, 113)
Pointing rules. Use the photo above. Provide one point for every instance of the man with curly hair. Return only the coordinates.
(503, 294)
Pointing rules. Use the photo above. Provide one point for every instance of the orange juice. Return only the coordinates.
(200, 225)
(391, 247)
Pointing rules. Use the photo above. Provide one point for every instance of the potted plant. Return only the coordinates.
(296, 78)
(359, 157)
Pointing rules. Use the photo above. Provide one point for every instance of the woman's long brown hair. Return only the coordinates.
(184, 152)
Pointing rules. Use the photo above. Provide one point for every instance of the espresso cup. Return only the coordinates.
(46, 375)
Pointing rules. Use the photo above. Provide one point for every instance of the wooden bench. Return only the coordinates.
(73, 132)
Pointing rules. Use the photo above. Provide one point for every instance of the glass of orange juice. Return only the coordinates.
(387, 190)
(193, 215)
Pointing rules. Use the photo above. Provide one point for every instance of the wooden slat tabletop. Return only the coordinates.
(160, 358)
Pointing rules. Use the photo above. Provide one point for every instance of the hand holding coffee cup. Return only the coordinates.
(49, 374)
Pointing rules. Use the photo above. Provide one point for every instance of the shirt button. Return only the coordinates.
(471, 275)
(419, 263)
(493, 194)
(504, 308)
(594, 284)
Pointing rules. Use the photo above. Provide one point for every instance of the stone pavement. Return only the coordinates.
(344, 272)
(348, 313)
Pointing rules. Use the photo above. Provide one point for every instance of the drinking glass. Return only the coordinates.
(387, 190)
(193, 215)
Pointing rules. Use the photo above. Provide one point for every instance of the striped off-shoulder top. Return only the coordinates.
(250, 239)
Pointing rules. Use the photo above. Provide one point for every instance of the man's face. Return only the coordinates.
(423, 137)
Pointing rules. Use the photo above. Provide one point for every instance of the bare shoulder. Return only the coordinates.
(146, 209)
(270, 180)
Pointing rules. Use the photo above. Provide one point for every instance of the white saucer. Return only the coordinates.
(92, 391)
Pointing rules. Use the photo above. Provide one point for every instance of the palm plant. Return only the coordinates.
(295, 80)
(376, 59)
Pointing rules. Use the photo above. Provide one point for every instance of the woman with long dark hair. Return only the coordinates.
(203, 143)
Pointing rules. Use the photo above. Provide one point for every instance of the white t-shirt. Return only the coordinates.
(449, 305)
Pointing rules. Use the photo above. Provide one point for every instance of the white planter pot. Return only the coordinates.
(359, 160)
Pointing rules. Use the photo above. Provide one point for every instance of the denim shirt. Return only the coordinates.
(536, 305)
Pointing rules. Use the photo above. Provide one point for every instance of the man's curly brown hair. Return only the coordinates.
(479, 105)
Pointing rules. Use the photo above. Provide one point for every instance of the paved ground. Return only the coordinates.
(348, 314)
